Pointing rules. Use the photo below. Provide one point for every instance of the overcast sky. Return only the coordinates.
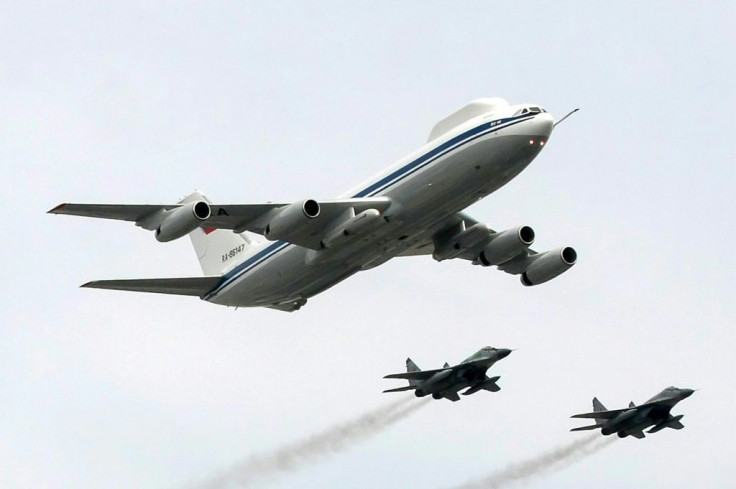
(124, 103)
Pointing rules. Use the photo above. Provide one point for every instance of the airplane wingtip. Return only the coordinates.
(56, 209)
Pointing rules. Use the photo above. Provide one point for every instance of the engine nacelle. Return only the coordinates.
(292, 219)
(549, 265)
(182, 221)
(506, 245)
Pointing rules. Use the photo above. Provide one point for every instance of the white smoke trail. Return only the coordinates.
(546, 462)
(333, 440)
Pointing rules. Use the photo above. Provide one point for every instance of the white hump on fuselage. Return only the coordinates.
(473, 109)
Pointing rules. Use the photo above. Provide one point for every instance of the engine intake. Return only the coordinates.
(506, 245)
(182, 221)
(292, 219)
(547, 266)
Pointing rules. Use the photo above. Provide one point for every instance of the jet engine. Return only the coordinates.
(506, 245)
(547, 266)
(292, 219)
(182, 221)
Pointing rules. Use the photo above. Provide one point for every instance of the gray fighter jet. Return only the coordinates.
(633, 420)
(447, 381)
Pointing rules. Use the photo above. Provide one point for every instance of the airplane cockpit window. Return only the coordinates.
(529, 110)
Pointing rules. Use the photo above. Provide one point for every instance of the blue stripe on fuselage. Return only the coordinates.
(379, 186)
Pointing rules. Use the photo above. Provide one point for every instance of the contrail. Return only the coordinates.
(333, 440)
(550, 461)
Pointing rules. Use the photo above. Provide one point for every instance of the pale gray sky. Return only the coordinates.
(253, 102)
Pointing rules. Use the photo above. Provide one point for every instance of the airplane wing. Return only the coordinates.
(237, 217)
(427, 244)
(586, 428)
(601, 414)
(615, 412)
(121, 212)
(401, 389)
(461, 236)
(420, 375)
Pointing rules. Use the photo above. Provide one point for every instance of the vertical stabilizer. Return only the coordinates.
(412, 367)
(597, 407)
(218, 249)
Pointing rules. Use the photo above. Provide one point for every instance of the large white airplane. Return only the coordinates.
(411, 208)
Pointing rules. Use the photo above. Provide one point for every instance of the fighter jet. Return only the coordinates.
(633, 420)
(448, 381)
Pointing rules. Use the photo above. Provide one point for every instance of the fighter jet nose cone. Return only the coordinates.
(687, 392)
(504, 352)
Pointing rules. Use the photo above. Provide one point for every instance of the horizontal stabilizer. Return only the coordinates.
(401, 389)
(195, 286)
(586, 428)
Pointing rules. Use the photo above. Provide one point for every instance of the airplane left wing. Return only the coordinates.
(306, 223)
(602, 414)
(309, 223)
(419, 375)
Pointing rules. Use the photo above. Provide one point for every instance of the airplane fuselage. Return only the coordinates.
(426, 188)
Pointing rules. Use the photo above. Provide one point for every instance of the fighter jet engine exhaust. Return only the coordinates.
(288, 459)
(547, 462)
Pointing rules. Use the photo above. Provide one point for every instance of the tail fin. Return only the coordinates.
(598, 406)
(412, 367)
(218, 249)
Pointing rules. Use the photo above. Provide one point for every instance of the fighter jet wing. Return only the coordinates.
(614, 412)
(237, 217)
(420, 375)
(602, 414)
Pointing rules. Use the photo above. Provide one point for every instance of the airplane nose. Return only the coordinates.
(687, 392)
(544, 124)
